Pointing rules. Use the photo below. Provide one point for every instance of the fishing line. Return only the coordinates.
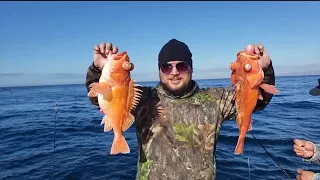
(249, 169)
(270, 156)
(54, 139)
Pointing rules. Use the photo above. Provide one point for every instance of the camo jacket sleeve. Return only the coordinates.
(226, 96)
(316, 157)
(93, 75)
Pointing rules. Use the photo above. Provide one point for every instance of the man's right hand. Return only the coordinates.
(101, 52)
(303, 148)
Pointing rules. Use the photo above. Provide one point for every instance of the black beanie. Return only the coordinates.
(174, 50)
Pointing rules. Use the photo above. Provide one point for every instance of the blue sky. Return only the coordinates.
(52, 42)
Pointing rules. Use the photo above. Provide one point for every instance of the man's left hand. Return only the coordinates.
(304, 175)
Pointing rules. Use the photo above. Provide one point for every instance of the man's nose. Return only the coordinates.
(174, 71)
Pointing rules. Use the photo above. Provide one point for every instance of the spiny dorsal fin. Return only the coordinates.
(160, 110)
(250, 127)
(134, 95)
(160, 115)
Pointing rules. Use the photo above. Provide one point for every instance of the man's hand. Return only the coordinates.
(303, 148)
(101, 53)
(304, 175)
(264, 58)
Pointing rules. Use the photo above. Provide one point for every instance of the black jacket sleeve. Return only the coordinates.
(93, 75)
(269, 78)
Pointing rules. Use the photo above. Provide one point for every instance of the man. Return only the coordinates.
(180, 141)
(309, 151)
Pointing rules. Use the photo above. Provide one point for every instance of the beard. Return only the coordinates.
(184, 89)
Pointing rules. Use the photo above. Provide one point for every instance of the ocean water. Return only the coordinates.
(28, 128)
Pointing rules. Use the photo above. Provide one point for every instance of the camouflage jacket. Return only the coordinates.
(179, 141)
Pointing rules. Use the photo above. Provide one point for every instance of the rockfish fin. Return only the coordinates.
(107, 124)
(102, 88)
(269, 88)
(127, 122)
(92, 93)
(254, 79)
(250, 126)
(240, 147)
(119, 145)
(260, 96)
(134, 95)
(160, 115)
(239, 119)
(160, 111)
(103, 120)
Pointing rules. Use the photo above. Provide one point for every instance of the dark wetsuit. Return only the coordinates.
(181, 143)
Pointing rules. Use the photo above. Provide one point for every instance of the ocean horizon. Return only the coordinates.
(29, 127)
(153, 81)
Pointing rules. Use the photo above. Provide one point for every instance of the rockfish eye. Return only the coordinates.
(247, 67)
(127, 66)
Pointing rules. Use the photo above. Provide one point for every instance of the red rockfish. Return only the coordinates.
(247, 76)
(117, 95)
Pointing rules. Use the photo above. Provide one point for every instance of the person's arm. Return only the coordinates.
(226, 96)
(316, 156)
(93, 75)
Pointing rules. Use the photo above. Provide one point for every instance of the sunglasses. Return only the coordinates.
(182, 67)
